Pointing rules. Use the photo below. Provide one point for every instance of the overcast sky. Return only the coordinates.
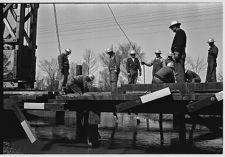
(91, 26)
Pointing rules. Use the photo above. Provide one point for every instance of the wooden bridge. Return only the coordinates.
(194, 99)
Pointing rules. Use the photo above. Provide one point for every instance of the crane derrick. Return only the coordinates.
(19, 42)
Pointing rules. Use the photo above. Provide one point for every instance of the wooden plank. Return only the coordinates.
(143, 99)
(44, 106)
(25, 92)
(205, 102)
(185, 88)
(24, 123)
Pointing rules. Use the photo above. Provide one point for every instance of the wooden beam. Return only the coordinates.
(44, 106)
(196, 106)
(184, 88)
(24, 124)
(143, 99)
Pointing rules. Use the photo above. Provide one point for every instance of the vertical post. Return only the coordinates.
(161, 129)
(182, 128)
(81, 117)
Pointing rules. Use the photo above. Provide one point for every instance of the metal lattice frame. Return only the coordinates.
(19, 38)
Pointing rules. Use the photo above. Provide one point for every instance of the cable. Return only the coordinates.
(119, 25)
(57, 30)
(127, 39)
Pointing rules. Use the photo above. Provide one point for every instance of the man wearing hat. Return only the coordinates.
(114, 69)
(178, 48)
(132, 66)
(79, 84)
(157, 62)
(212, 55)
(64, 69)
(192, 77)
(169, 58)
(165, 74)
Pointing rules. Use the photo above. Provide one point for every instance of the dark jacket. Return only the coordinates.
(191, 76)
(157, 64)
(165, 74)
(179, 41)
(63, 63)
(212, 55)
(114, 63)
(78, 84)
(133, 65)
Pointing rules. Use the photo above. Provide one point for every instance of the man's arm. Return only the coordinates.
(60, 62)
(150, 63)
(214, 52)
(139, 65)
(127, 66)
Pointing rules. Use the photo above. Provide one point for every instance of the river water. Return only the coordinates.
(147, 139)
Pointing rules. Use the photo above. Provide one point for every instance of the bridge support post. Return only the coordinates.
(182, 128)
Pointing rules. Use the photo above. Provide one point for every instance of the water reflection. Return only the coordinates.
(148, 140)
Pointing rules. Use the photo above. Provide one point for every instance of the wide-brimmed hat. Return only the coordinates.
(173, 23)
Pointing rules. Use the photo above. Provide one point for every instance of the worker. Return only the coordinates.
(178, 49)
(165, 74)
(132, 66)
(191, 76)
(78, 84)
(63, 69)
(169, 58)
(157, 62)
(212, 55)
(114, 69)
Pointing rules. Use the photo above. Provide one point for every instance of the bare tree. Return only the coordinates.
(220, 76)
(90, 62)
(104, 82)
(197, 65)
(39, 81)
(50, 68)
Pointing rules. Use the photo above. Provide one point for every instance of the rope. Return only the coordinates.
(127, 39)
(57, 30)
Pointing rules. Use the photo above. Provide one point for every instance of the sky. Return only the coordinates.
(91, 26)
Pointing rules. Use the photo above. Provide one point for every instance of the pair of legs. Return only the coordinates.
(179, 66)
(211, 72)
(132, 78)
(63, 81)
(113, 81)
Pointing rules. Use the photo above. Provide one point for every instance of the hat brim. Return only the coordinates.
(174, 25)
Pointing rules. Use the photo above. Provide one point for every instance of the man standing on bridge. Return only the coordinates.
(114, 69)
(64, 69)
(157, 62)
(178, 48)
(132, 66)
(212, 55)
